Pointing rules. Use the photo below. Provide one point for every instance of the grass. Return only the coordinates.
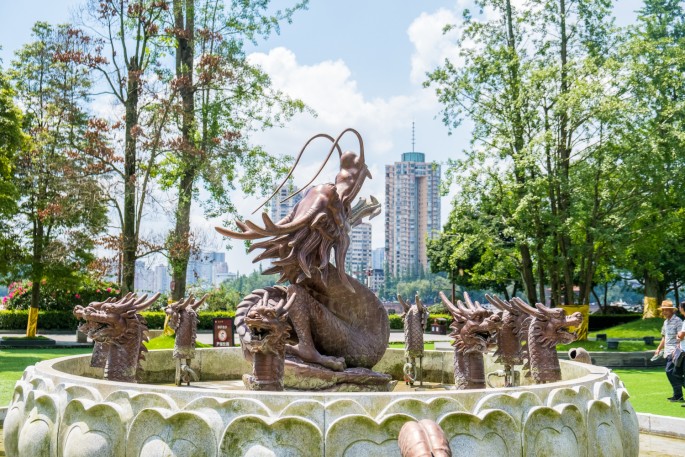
(428, 345)
(635, 329)
(648, 389)
(601, 346)
(167, 342)
(14, 361)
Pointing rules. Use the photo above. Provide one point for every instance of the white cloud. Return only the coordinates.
(432, 46)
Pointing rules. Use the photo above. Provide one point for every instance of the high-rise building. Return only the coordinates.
(378, 258)
(280, 210)
(144, 279)
(358, 258)
(162, 279)
(204, 266)
(412, 213)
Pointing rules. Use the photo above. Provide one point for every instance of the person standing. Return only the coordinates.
(681, 339)
(669, 340)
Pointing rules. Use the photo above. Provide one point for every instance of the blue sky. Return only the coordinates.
(357, 63)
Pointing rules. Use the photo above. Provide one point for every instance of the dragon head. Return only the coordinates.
(113, 321)
(474, 327)
(550, 325)
(417, 313)
(514, 320)
(268, 326)
(189, 306)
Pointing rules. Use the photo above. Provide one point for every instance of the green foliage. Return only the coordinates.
(55, 297)
(61, 209)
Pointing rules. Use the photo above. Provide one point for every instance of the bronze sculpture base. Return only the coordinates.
(301, 375)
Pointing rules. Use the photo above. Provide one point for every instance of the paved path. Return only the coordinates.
(205, 336)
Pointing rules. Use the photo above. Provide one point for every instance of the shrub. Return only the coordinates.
(55, 298)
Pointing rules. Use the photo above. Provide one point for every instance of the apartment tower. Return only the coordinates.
(412, 213)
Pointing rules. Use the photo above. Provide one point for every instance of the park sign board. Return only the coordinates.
(223, 332)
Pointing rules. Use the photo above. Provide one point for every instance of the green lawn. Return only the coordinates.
(14, 361)
(599, 346)
(635, 329)
(648, 389)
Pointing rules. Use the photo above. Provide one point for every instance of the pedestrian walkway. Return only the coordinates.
(204, 336)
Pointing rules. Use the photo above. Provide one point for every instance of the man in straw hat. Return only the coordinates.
(669, 334)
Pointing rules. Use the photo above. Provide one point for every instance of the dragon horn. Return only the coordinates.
(143, 305)
(469, 302)
(525, 307)
(498, 303)
(244, 235)
(197, 304)
(454, 311)
(404, 304)
(419, 303)
(140, 299)
(281, 309)
(299, 156)
(543, 308)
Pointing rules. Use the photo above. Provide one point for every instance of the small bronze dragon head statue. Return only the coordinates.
(474, 327)
(119, 330)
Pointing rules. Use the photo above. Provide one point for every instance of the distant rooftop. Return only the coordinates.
(413, 157)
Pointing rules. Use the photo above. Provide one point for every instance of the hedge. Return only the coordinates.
(65, 320)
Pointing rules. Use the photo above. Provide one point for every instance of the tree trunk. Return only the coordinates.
(527, 273)
(130, 239)
(36, 276)
(185, 31)
(652, 298)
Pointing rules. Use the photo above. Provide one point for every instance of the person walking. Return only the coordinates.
(669, 341)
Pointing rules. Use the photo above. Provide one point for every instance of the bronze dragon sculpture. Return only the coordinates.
(335, 321)
(266, 319)
(414, 319)
(118, 330)
(547, 328)
(511, 338)
(424, 438)
(183, 320)
(474, 328)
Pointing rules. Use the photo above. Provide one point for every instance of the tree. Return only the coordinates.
(60, 201)
(125, 50)
(540, 84)
(656, 58)
(223, 99)
(12, 139)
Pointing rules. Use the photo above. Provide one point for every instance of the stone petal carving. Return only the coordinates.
(433, 408)
(259, 436)
(69, 392)
(490, 433)
(358, 435)
(133, 402)
(558, 431)
(578, 395)
(340, 408)
(38, 435)
(92, 429)
(157, 432)
(629, 422)
(219, 412)
(312, 410)
(14, 420)
(604, 431)
(516, 404)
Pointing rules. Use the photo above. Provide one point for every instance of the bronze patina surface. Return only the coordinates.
(183, 320)
(118, 330)
(414, 319)
(474, 329)
(547, 328)
(334, 321)
(424, 438)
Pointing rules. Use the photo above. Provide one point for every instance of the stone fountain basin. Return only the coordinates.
(61, 407)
